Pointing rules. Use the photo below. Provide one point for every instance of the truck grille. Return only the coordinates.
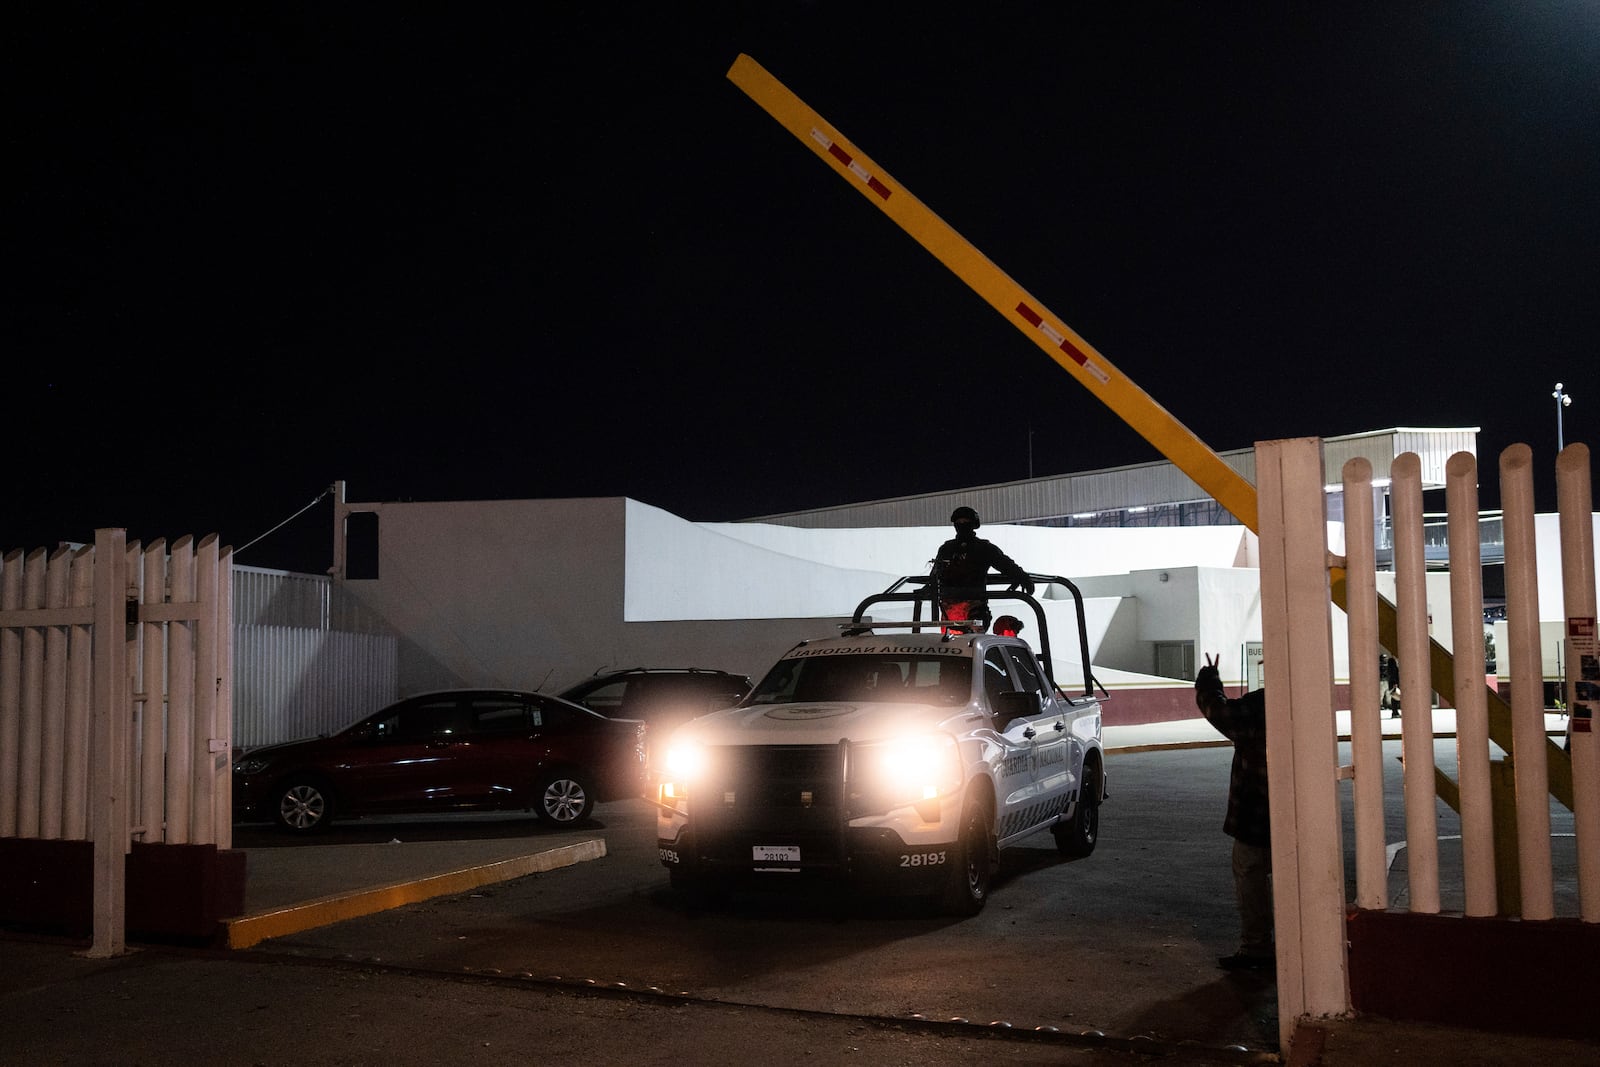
(771, 795)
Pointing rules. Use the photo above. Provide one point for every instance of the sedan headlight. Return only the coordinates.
(251, 765)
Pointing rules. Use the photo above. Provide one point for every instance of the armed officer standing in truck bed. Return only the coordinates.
(962, 568)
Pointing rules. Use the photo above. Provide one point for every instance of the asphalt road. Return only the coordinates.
(600, 962)
(1123, 942)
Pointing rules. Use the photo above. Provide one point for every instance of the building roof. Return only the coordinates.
(1082, 498)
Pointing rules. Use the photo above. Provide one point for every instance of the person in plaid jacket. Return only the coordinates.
(1243, 720)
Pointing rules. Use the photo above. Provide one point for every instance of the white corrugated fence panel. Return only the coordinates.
(291, 682)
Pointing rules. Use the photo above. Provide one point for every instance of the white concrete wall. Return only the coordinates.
(1073, 552)
(680, 570)
(1229, 616)
(497, 593)
(1115, 643)
(1547, 539)
(1218, 608)
(533, 594)
(541, 593)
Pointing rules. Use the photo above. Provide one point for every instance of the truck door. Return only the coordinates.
(1051, 759)
(1016, 782)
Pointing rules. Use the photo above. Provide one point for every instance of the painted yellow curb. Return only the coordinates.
(252, 929)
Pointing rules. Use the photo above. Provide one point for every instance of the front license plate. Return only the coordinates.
(776, 853)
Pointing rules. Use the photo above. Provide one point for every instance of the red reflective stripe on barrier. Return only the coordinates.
(1072, 350)
(1062, 342)
(849, 163)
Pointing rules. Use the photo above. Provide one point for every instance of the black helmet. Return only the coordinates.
(965, 517)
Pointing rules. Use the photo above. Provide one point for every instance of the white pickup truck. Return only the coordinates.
(901, 760)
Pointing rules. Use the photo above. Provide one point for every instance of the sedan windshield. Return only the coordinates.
(901, 678)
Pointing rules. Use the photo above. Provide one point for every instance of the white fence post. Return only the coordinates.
(180, 694)
(153, 706)
(80, 699)
(53, 751)
(1528, 743)
(30, 746)
(10, 694)
(222, 786)
(1416, 688)
(203, 814)
(112, 717)
(1471, 693)
(1302, 743)
(1366, 725)
(1574, 501)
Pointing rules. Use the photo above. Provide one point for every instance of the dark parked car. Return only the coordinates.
(664, 697)
(461, 750)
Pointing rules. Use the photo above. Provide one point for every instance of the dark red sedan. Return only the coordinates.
(459, 750)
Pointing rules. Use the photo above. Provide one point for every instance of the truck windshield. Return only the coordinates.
(866, 677)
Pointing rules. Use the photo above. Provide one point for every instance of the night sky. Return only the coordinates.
(469, 252)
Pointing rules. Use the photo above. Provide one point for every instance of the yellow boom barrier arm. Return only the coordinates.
(1078, 357)
(1023, 310)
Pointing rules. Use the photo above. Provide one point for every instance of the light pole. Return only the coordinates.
(1563, 399)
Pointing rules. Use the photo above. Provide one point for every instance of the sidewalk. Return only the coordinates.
(1180, 733)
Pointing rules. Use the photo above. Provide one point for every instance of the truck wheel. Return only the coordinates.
(974, 867)
(1077, 837)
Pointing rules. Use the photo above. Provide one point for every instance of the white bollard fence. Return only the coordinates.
(116, 702)
(1303, 758)
(1539, 767)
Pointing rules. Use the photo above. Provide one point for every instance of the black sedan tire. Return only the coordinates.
(564, 798)
(302, 806)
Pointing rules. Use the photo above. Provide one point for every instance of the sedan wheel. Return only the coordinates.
(564, 799)
(302, 807)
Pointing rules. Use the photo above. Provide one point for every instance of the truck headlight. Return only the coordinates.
(685, 762)
(919, 770)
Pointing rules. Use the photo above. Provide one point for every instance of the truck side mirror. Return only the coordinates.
(1008, 707)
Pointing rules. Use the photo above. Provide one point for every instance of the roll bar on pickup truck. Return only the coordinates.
(920, 589)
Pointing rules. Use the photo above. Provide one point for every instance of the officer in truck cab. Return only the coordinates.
(962, 568)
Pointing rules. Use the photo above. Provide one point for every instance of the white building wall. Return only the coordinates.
(1072, 552)
(1229, 618)
(533, 594)
(541, 593)
(680, 570)
(497, 593)
(1114, 641)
